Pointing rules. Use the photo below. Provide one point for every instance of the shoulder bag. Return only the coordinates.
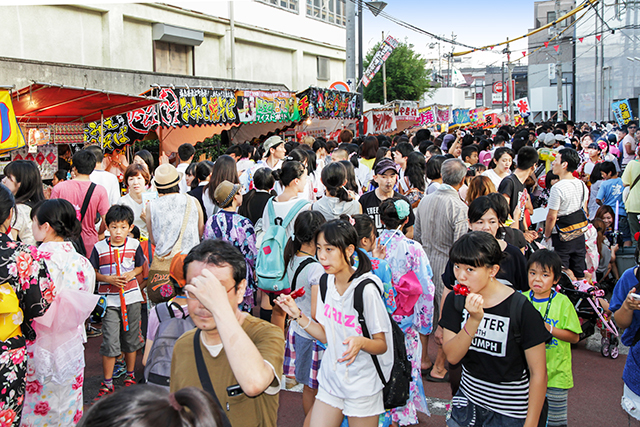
(575, 224)
(160, 285)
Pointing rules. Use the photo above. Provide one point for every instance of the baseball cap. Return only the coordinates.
(385, 165)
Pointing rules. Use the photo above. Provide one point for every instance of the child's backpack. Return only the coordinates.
(396, 391)
(170, 328)
(270, 268)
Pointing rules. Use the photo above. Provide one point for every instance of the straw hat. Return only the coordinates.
(225, 192)
(166, 176)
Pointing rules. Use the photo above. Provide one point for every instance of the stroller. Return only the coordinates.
(586, 300)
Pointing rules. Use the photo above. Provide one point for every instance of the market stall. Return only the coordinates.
(53, 116)
(396, 116)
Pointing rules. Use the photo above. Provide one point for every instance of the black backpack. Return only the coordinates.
(396, 391)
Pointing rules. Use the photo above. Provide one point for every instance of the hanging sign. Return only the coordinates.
(622, 111)
(378, 59)
(461, 117)
(379, 121)
(406, 110)
(443, 114)
(180, 107)
(427, 116)
(523, 106)
(262, 106)
(328, 104)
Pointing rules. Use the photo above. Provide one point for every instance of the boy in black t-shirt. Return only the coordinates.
(496, 388)
(386, 176)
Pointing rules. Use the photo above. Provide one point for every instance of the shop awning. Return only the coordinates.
(51, 103)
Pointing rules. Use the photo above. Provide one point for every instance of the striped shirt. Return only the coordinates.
(509, 398)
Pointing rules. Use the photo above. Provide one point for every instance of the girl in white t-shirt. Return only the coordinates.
(502, 160)
(348, 382)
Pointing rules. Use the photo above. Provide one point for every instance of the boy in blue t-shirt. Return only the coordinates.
(544, 270)
(609, 193)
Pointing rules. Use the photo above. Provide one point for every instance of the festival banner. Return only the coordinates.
(443, 114)
(427, 116)
(379, 121)
(406, 110)
(476, 115)
(461, 117)
(11, 136)
(328, 104)
(622, 111)
(263, 107)
(523, 106)
(180, 107)
(378, 59)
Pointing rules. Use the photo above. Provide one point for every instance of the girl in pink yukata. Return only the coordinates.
(409, 265)
(55, 370)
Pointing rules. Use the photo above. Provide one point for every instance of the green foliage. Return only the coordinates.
(407, 76)
(212, 148)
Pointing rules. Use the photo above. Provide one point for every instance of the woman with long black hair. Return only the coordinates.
(22, 178)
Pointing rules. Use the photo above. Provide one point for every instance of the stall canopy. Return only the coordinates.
(51, 103)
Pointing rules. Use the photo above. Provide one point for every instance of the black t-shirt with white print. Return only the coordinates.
(370, 204)
(495, 372)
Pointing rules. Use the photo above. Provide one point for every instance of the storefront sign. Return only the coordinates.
(328, 104)
(379, 121)
(427, 116)
(622, 111)
(180, 107)
(378, 59)
(461, 117)
(406, 110)
(261, 107)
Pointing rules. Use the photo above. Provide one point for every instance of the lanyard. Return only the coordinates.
(546, 313)
(111, 254)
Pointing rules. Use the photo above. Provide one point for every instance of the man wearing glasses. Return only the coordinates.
(242, 354)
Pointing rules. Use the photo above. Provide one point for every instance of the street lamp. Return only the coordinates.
(375, 7)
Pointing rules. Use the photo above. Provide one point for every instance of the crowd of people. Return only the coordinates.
(289, 261)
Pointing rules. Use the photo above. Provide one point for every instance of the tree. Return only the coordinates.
(407, 76)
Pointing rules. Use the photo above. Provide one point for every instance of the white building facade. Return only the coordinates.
(284, 44)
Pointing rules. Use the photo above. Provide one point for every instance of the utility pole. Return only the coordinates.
(384, 77)
(511, 94)
(360, 68)
(350, 13)
(503, 85)
(559, 64)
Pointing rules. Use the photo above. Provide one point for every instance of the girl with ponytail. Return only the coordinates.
(348, 382)
(55, 371)
(301, 348)
(337, 200)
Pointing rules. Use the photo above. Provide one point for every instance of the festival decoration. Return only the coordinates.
(11, 136)
(622, 111)
(328, 104)
(378, 59)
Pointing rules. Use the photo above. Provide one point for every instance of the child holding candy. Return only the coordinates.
(118, 260)
(499, 338)
(348, 382)
(302, 352)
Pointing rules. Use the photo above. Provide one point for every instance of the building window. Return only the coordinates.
(332, 11)
(290, 5)
(323, 68)
(172, 58)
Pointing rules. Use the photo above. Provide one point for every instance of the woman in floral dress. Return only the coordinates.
(233, 227)
(405, 256)
(25, 293)
(56, 358)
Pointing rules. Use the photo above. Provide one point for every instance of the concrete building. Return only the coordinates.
(607, 69)
(257, 44)
(542, 79)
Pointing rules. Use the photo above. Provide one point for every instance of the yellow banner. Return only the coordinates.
(10, 133)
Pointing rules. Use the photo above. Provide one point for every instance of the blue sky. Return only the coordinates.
(474, 23)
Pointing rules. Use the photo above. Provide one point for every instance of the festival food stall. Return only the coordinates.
(325, 112)
(53, 117)
(396, 116)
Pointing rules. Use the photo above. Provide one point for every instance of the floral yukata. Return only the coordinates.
(404, 255)
(56, 358)
(238, 230)
(26, 292)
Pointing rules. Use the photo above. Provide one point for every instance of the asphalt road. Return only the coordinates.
(594, 400)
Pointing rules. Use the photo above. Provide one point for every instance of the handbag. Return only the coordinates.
(574, 225)
(160, 286)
